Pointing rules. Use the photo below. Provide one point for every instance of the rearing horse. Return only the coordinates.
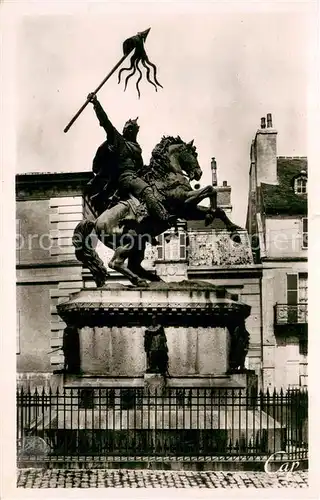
(127, 227)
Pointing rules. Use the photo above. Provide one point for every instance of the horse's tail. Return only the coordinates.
(85, 252)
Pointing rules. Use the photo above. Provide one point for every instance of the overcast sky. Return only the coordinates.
(220, 73)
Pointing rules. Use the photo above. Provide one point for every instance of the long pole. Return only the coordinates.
(96, 90)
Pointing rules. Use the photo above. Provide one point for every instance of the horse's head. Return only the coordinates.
(186, 156)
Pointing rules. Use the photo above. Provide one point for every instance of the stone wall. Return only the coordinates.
(114, 351)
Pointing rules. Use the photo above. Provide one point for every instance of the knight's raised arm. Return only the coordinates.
(101, 114)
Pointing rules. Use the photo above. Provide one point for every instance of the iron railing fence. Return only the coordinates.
(117, 424)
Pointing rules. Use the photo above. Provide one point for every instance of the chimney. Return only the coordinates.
(223, 192)
(214, 172)
(224, 197)
(265, 153)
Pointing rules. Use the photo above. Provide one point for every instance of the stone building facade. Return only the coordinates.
(277, 225)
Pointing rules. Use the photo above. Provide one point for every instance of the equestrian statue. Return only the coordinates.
(136, 203)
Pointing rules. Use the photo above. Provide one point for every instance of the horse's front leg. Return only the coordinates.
(134, 265)
(197, 195)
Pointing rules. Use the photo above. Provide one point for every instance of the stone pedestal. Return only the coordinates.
(114, 351)
(111, 321)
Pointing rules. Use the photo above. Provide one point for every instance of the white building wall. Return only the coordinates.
(283, 237)
(287, 364)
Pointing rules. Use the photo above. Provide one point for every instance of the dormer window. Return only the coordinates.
(301, 185)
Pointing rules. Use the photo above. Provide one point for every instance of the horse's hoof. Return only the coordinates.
(208, 219)
(141, 282)
(100, 283)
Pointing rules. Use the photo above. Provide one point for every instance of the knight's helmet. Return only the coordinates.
(131, 122)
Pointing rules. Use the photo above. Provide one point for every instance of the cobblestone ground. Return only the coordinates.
(100, 478)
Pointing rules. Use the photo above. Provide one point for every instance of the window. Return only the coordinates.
(300, 185)
(160, 247)
(305, 232)
(172, 246)
(292, 289)
(303, 288)
(303, 298)
(292, 297)
(297, 298)
(183, 246)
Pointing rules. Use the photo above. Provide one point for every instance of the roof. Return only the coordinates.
(199, 225)
(52, 177)
(281, 199)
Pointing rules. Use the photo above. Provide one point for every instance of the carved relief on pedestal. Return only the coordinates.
(217, 249)
(205, 248)
(201, 249)
(230, 253)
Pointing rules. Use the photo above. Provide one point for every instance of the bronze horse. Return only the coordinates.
(126, 227)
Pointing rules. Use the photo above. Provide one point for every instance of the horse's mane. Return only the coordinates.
(159, 162)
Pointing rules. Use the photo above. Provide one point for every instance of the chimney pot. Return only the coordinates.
(224, 183)
(263, 122)
(269, 120)
(214, 171)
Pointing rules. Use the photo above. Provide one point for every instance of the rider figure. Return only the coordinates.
(128, 156)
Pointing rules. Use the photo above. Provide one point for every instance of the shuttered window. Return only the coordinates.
(183, 246)
(174, 248)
